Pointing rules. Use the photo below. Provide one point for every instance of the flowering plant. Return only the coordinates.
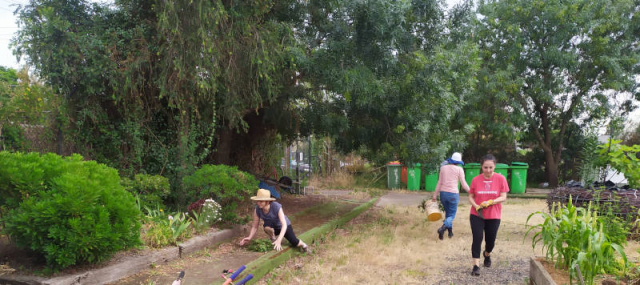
(205, 213)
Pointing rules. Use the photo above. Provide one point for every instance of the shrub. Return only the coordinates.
(70, 211)
(13, 137)
(225, 184)
(152, 190)
(623, 158)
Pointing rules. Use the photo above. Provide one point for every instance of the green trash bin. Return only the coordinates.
(503, 169)
(413, 177)
(393, 176)
(431, 181)
(518, 177)
(471, 170)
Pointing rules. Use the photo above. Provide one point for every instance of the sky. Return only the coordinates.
(8, 27)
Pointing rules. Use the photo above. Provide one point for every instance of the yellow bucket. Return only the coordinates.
(433, 212)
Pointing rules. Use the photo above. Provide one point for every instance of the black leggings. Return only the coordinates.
(480, 226)
(289, 235)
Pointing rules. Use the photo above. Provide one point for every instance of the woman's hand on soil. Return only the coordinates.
(245, 240)
(277, 245)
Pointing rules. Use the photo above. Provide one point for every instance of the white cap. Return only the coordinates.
(456, 156)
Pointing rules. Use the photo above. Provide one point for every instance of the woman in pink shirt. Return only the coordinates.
(450, 174)
(488, 191)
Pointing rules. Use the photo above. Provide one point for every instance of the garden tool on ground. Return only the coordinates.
(235, 275)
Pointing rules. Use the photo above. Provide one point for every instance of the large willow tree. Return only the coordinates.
(160, 86)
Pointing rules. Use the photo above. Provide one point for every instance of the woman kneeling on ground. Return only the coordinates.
(275, 222)
(488, 191)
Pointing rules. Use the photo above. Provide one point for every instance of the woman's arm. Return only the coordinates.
(472, 200)
(502, 198)
(463, 182)
(277, 245)
(437, 191)
(254, 228)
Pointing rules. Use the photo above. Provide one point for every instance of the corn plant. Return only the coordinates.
(574, 236)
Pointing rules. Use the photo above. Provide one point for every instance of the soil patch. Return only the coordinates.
(560, 276)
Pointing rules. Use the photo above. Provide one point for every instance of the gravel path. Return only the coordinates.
(509, 271)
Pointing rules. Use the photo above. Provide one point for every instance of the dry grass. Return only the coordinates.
(397, 245)
(337, 180)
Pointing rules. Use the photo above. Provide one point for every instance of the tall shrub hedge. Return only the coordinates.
(69, 210)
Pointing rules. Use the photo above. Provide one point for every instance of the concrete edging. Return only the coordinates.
(129, 266)
(538, 275)
(264, 264)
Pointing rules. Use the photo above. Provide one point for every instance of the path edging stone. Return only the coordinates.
(132, 265)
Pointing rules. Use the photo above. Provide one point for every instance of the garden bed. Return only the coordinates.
(542, 272)
(18, 262)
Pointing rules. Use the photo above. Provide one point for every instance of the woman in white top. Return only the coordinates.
(451, 173)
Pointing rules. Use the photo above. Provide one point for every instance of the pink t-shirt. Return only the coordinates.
(484, 189)
(448, 179)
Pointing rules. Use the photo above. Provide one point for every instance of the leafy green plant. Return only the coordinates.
(225, 184)
(68, 210)
(587, 167)
(623, 158)
(179, 225)
(151, 189)
(157, 234)
(164, 229)
(260, 245)
(575, 237)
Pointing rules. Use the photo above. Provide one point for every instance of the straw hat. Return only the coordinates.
(263, 195)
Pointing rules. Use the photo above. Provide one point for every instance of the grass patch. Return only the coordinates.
(397, 245)
(325, 210)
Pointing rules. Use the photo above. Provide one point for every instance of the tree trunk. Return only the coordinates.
(223, 147)
(551, 170)
(287, 161)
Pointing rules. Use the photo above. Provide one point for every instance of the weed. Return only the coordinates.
(261, 245)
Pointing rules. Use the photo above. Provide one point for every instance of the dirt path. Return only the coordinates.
(205, 267)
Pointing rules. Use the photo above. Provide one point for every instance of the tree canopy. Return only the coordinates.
(163, 86)
(556, 62)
